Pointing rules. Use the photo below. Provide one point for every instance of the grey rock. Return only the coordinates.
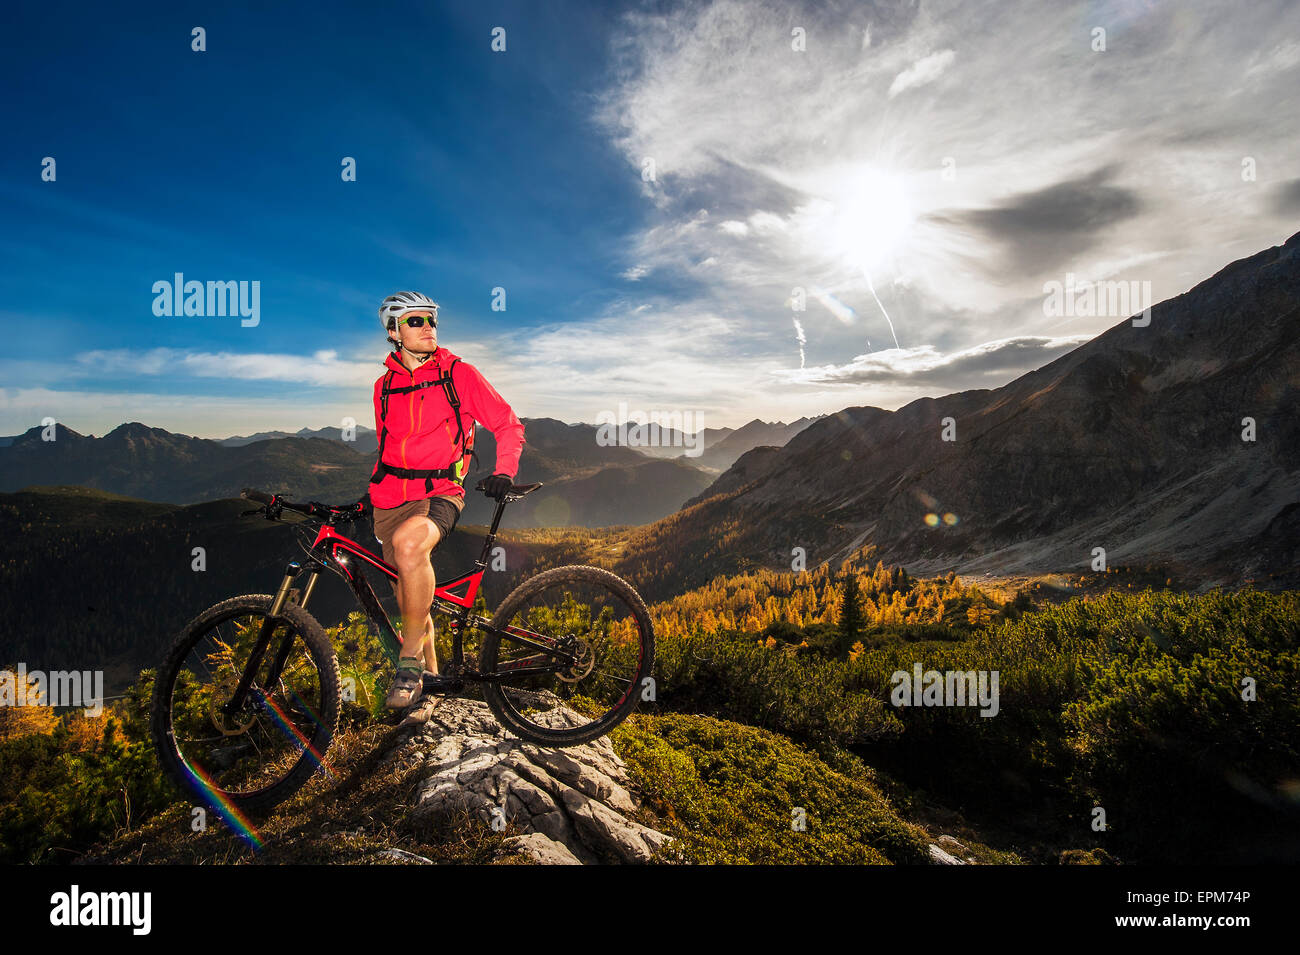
(939, 857)
(570, 804)
(600, 826)
(543, 850)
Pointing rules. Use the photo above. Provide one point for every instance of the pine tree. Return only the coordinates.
(851, 620)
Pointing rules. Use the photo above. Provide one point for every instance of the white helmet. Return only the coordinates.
(395, 306)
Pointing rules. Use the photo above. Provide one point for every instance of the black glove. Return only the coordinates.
(497, 485)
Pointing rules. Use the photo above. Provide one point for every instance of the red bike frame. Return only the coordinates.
(331, 549)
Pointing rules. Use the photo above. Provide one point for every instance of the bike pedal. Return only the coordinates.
(437, 683)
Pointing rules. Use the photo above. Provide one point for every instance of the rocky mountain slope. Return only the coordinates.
(1132, 443)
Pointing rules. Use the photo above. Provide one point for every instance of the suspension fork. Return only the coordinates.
(282, 596)
(286, 643)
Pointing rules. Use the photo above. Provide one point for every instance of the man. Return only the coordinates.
(424, 448)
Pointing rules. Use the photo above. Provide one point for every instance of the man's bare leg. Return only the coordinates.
(430, 652)
(413, 542)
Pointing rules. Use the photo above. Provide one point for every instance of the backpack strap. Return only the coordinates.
(383, 427)
(454, 473)
(463, 443)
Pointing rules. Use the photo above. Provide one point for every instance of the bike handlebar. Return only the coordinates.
(273, 503)
(338, 512)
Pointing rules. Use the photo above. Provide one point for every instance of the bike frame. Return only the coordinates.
(332, 549)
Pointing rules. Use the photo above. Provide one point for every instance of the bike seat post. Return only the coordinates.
(501, 509)
(491, 537)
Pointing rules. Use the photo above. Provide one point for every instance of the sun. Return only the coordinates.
(868, 217)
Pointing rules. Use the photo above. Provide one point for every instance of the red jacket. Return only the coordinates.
(422, 430)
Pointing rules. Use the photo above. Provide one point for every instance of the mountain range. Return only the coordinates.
(586, 483)
(1175, 445)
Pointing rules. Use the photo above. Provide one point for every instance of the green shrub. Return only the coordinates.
(1132, 702)
(728, 792)
(54, 803)
(732, 676)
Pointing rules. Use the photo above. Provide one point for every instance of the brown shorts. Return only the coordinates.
(444, 511)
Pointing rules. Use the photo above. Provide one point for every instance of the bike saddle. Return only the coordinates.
(518, 489)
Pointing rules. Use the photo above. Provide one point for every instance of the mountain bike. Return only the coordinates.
(247, 699)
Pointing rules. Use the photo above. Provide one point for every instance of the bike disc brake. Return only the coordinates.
(229, 725)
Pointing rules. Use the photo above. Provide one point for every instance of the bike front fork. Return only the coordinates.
(289, 593)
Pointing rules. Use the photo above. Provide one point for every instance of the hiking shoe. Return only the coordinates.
(408, 684)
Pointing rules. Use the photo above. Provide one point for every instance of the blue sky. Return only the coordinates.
(920, 170)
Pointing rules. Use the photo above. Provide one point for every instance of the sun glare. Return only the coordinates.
(868, 218)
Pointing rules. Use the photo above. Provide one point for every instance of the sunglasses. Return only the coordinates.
(417, 321)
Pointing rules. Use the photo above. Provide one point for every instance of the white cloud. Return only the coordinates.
(926, 70)
(767, 223)
(1285, 56)
(323, 369)
(926, 363)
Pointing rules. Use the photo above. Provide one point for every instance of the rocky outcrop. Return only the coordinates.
(571, 804)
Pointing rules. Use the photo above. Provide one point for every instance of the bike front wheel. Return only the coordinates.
(568, 656)
(258, 754)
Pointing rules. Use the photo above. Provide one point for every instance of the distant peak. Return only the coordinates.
(130, 429)
(34, 432)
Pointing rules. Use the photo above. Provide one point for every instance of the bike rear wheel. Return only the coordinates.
(600, 620)
(259, 755)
